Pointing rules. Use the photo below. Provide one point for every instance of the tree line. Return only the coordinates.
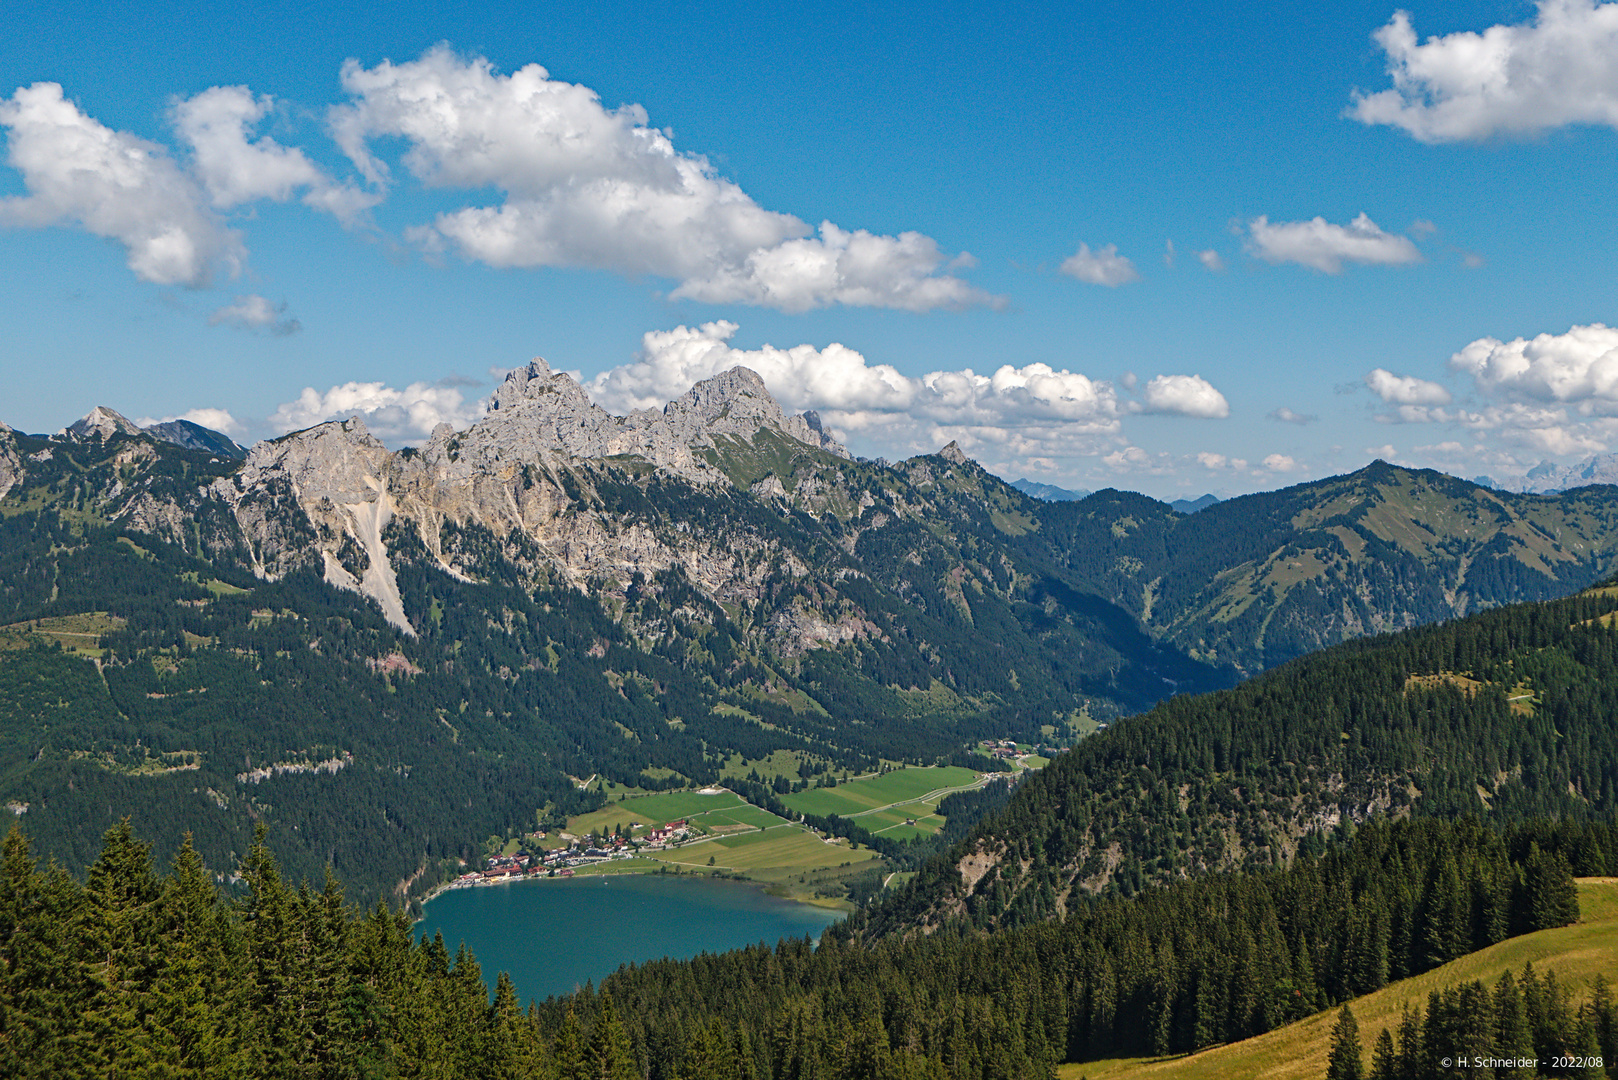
(1522, 1027)
(136, 972)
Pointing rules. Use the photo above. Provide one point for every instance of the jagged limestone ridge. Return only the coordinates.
(506, 473)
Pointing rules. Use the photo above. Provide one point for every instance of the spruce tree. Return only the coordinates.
(1347, 1060)
(610, 1055)
(568, 1052)
(1513, 1038)
(1384, 1059)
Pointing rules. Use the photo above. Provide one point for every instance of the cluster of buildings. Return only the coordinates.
(1005, 748)
(578, 852)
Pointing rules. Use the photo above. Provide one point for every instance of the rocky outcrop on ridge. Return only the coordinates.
(527, 473)
(10, 463)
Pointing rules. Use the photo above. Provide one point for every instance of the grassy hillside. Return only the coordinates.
(1298, 1051)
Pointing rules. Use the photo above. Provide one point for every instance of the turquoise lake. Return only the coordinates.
(553, 935)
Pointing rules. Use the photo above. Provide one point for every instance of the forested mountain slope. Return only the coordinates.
(394, 655)
(1506, 715)
(164, 680)
(1261, 579)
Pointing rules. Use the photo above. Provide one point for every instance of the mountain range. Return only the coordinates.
(393, 654)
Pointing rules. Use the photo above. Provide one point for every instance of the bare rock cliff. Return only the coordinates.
(526, 473)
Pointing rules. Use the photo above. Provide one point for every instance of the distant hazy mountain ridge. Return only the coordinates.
(102, 423)
(1049, 492)
(1547, 477)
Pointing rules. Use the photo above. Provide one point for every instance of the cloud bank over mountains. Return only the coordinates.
(1010, 414)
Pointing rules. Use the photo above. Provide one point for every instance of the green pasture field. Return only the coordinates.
(878, 820)
(738, 815)
(77, 634)
(747, 839)
(653, 810)
(872, 792)
(619, 866)
(781, 851)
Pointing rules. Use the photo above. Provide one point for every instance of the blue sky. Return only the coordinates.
(264, 218)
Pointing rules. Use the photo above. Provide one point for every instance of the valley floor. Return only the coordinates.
(721, 833)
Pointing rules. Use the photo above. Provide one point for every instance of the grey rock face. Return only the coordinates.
(338, 475)
(526, 470)
(10, 461)
(99, 425)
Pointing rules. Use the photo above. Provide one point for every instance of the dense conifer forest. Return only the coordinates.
(138, 972)
(1509, 715)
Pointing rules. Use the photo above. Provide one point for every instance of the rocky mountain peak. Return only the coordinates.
(340, 460)
(536, 382)
(734, 402)
(99, 425)
(194, 436)
(954, 454)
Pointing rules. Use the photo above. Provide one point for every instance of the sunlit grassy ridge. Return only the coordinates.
(1298, 1051)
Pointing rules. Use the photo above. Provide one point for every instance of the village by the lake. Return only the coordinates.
(805, 844)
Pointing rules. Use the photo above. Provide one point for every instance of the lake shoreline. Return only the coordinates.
(553, 940)
(771, 889)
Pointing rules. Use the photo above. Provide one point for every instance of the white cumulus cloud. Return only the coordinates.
(1188, 395)
(1010, 416)
(1288, 416)
(1558, 68)
(391, 414)
(1578, 366)
(1211, 260)
(253, 312)
(594, 187)
(1554, 394)
(1405, 389)
(1215, 462)
(1281, 463)
(237, 169)
(1103, 266)
(79, 172)
(1324, 246)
